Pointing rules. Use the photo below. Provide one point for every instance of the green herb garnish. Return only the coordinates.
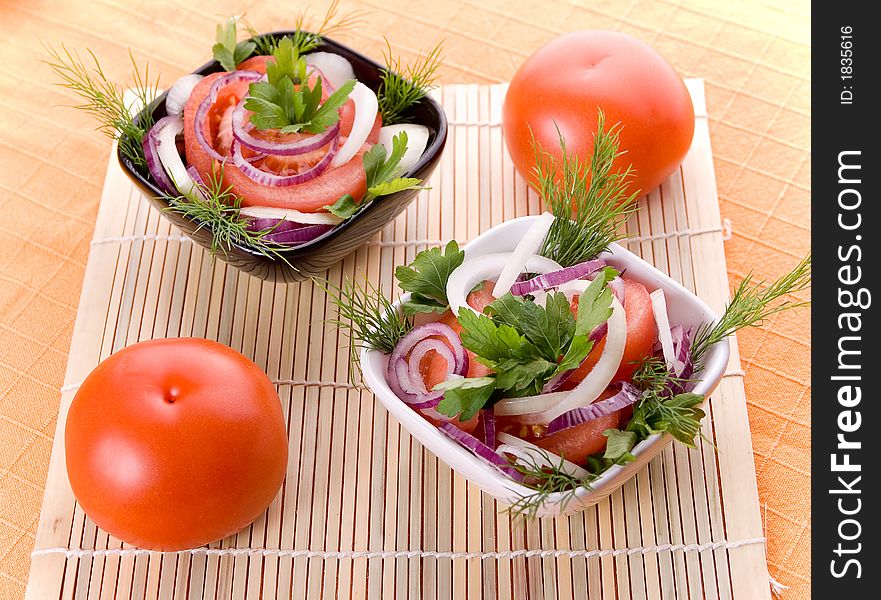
(367, 314)
(547, 475)
(304, 40)
(105, 100)
(403, 87)
(426, 278)
(750, 305)
(382, 177)
(590, 202)
(219, 210)
(678, 415)
(227, 51)
(286, 102)
(522, 342)
(464, 397)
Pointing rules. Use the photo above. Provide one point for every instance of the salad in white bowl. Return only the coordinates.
(542, 361)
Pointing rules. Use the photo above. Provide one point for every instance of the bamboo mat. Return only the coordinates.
(365, 511)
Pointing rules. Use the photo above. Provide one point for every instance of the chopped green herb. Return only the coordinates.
(381, 172)
(368, 315)
(218, 209)
(751, 304)
(619, 445)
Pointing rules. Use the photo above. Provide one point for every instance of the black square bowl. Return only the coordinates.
(315, 257)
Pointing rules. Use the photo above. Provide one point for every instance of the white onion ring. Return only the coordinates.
(366, 107)
(481, 268)
(529, 454)
(417, 141)
(287, 214)
(529, 245)
(166, 148)
(179, 93)
(335, 69)
(662, 321)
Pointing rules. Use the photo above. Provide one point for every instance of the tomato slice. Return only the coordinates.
(574, 444)
(642, 335)
(311, 196)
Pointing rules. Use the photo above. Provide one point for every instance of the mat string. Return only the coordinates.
(354, 554)
(725, 230)
(69, 387)
(292, 382)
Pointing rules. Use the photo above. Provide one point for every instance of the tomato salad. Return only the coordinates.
(530, 361)
(292, 135)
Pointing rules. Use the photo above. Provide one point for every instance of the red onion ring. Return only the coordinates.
(555, 278)
(233, 77)
(154, 165)
(195, 175)
(401, 377)
(240, 133)
(481, 450)
(627, 395)
(424, 347)
(199, 125)
(263, 178)
(488, 419)
(288, 232)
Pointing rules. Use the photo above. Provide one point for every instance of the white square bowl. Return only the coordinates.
(684, 309)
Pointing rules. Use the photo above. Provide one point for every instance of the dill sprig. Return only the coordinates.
(750, 305)
(367, 315)
(105, 100)
(219, 210)
(308, 37)
(546, 475)
(402, 87)
(590, 202)
(653, 375)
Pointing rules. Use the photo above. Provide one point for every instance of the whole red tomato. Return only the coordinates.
(566, 81)
(174, 443)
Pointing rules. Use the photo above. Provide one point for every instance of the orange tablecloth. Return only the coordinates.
(754, 57)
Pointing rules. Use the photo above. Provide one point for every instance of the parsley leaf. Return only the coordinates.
(619, 445)
(550, 328)
(417, 303)
(507, 310)
(489, 341)
(394, 186)
(465, 396)
(286, 102)
(382, 177)
(383, 174)
(523, 376)
(594, 309)
(345, 207)
(426, 277)
(226, 51)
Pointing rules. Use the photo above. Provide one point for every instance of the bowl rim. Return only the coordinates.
(293, 253)
(718, 355)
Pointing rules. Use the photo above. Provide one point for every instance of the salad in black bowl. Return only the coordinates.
(284, 154)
